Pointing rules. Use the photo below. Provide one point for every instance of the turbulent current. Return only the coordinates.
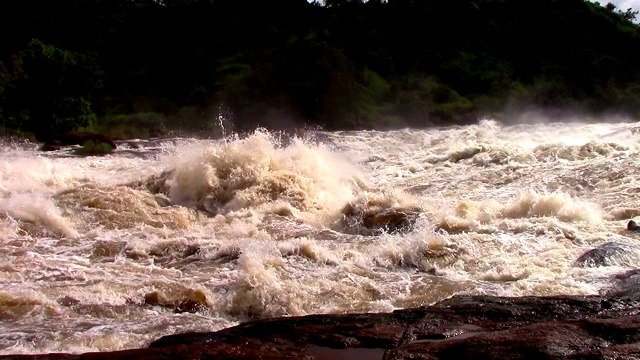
(177, 235)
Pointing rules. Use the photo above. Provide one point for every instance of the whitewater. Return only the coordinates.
(174, 235)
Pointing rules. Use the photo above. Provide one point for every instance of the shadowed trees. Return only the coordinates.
(340, 64)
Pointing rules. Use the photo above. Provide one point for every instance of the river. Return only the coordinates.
(175, 235)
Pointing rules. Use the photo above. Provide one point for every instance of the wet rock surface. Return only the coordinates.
(607, 254)
(462, 327)
(376, 219)
(625, 284)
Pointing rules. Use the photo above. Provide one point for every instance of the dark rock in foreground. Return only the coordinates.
(463, 327)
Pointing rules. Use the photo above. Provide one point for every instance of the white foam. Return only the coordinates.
(250, 224)
(39, 210)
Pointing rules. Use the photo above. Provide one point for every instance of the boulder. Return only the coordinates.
(375, 220)
(626, 283)
(49, 147)
(190, 301)
(607, 254)
(78, 138)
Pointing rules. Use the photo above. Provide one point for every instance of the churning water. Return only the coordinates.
(106, 253)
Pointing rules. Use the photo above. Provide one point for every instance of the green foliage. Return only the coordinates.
(130, 126)
(629, 14)
(16, 134)
(141, 68)
(372, 103)
(420, 99)
(71, 113)
(49, 90)
(91, 147)
(39, 49)
(629, 100)
(199, 121)
(4, 83)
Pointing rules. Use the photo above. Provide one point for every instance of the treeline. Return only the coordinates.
(120, 65)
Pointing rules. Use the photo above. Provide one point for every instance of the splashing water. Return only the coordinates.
(112, 252)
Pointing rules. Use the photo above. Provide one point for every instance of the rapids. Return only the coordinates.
(175, 235)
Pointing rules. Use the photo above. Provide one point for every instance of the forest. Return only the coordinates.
(139, 68)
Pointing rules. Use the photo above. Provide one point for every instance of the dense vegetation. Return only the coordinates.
(118, 65)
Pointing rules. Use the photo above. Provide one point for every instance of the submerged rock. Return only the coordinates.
(68, 301)
(107, 249)
(462, 327)
(625, 284)
(189, 301)
(375, 220)
(156, 184)
(607, 254)
(162, 200)
(49, 147)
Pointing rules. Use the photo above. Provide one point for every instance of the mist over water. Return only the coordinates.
(107, 253)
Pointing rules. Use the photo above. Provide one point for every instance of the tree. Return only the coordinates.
(51, 90)
(629, 14)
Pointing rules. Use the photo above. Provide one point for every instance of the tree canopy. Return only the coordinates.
(340, 64)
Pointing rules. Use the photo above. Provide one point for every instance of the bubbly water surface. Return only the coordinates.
(108, 253)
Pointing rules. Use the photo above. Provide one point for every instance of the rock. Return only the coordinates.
(625, 284)
(157, 133)
(49, 147)
(191, 306)
(92, 143)
(68, 301)
(156, 184)
(462, 327)
(192, 301)
(77, 138)
(162, 200)
(133, 144)
(607, 254)
(107, 249)
(373, 220)
(548, 340)
(390, 220)
(195, 300)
